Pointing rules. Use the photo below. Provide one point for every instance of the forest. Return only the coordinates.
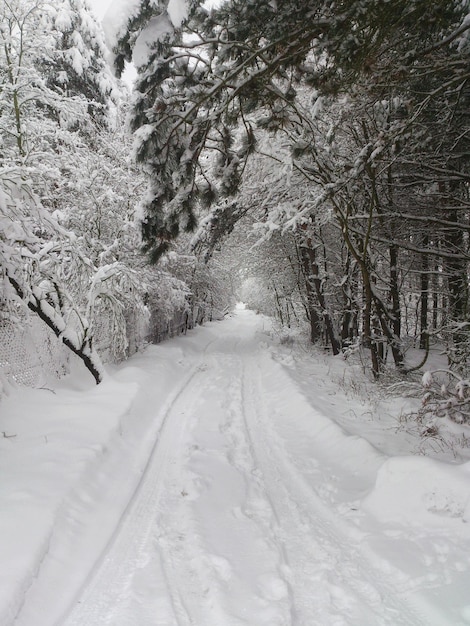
(309, 158)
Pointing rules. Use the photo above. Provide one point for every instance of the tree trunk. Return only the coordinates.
(313, 284)
(424, 288)
(278, 304)
(369, 340)
(456, 273)
(313, 317)
(396, 312)
(435, 297)
(349, 328)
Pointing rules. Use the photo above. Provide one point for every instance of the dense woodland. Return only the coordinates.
(309, 157)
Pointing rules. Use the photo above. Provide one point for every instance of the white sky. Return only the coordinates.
(99, 7)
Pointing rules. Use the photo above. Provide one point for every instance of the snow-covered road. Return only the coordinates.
(245, 509)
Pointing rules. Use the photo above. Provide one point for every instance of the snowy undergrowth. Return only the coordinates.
(386, 413)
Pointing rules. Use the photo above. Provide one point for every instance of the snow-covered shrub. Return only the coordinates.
(446, 395)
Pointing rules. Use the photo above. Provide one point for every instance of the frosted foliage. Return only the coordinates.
(68, 239)
(104, 341)
(138, 331)
(121, 12)
(84, 48)
(63, 20)
(156, 30)
(75, 59)
(31, 355)
(116, 19)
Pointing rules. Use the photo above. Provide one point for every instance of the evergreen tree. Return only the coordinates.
(207, 88)
(199, 81)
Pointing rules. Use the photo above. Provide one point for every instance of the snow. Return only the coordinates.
(116, 18)
(427, 379)
(226, 478)
(120, 12)
(418, 492)
(157, 29)
(116, 14)
(63, 20)
(178, 11)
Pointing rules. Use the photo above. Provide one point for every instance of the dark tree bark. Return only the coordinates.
(424, 288)
(315, 291)
(396, 311)
(313, 317)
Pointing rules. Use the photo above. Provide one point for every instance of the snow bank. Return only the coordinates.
(49, 441)
(422, 492)
(417, 518)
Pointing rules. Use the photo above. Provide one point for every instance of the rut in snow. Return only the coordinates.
(265, 554)
(236, 519)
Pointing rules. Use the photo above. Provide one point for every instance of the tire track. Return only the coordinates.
(192, 579)
(258, 507)
(131, 548)
(333, 581)
(175, 560)
(220, 586)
